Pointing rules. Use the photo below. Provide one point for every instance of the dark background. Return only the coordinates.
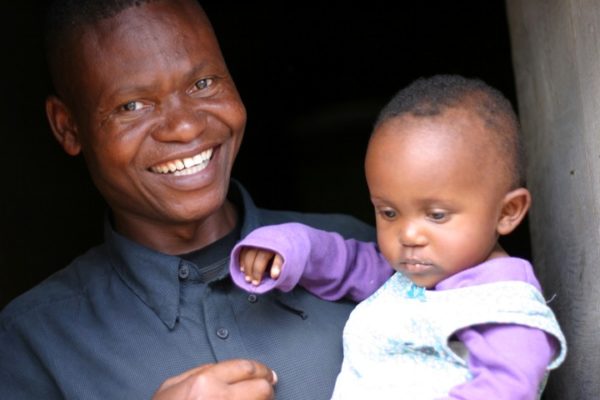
(312, 76)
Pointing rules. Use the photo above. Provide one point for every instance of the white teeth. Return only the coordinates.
(188, 162)
(189, 171)
(186, 166)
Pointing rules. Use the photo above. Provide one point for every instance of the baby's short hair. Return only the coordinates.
(430, 97)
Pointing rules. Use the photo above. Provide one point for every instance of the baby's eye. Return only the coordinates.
(388, 213)
(438, 216)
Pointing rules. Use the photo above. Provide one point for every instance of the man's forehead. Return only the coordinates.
(126, 18)
(159, 28)
(151, 15)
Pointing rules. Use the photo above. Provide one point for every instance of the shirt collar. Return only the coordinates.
(154, 276)
(250, 217)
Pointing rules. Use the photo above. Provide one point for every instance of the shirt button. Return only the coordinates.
(222, 333)
(252, 298)
(184, 271)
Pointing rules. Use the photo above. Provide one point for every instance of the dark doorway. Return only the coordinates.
(312, 76)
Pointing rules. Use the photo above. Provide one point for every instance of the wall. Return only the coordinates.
(556, 57)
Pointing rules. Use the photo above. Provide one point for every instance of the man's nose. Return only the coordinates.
(181, 123)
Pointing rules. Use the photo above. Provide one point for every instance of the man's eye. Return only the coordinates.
(132, 106)
(203, 83)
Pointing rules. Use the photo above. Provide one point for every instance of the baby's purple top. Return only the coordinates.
(507, 361)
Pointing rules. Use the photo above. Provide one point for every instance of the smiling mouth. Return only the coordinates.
(184, 166)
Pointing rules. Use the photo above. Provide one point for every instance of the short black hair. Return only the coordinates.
(430, 96)
(63, 15)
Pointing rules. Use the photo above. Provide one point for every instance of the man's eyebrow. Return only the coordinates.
(135, 88)
(197, 71)
(120, 94)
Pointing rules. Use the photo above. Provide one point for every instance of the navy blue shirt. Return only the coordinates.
(122, 318)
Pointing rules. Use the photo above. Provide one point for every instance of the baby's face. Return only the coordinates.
(437, 193)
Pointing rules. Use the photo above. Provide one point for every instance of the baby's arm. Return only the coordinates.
(322, 262)
(507, 361)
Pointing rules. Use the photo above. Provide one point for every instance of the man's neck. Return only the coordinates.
(180, 238)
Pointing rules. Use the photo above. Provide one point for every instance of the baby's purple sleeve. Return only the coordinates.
(324, 263)
(507, 362)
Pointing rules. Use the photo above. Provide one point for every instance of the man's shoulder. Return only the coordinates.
(346, 225)
(67, 284)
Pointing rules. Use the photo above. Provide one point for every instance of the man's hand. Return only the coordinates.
(254, 262)
(226, 380)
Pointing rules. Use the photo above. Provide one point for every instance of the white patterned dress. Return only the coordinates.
(396, 341)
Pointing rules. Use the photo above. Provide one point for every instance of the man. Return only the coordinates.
(143, 92)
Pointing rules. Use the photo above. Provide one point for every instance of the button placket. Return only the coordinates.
(222, 324)
(184, 271)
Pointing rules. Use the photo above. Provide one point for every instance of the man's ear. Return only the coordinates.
(63, 126)
(514, 208)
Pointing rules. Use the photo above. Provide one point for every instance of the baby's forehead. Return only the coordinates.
(454, 132)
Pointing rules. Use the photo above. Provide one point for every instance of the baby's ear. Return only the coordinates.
(514, 208)
(63, 126)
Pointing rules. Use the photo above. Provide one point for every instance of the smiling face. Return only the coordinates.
(437, 193)
(151, 105)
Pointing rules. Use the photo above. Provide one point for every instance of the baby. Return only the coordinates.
(460, 318)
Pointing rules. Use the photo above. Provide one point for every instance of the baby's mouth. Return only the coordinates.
(415, 266)
(184, 166)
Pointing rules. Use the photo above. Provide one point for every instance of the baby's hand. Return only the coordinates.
(255, 262)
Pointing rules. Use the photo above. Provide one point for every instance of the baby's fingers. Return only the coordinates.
(261, 263)
(276, 266)
(247, 257)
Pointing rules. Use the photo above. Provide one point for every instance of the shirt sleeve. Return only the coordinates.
(22, 374)
(322, 262)
(507, 362)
